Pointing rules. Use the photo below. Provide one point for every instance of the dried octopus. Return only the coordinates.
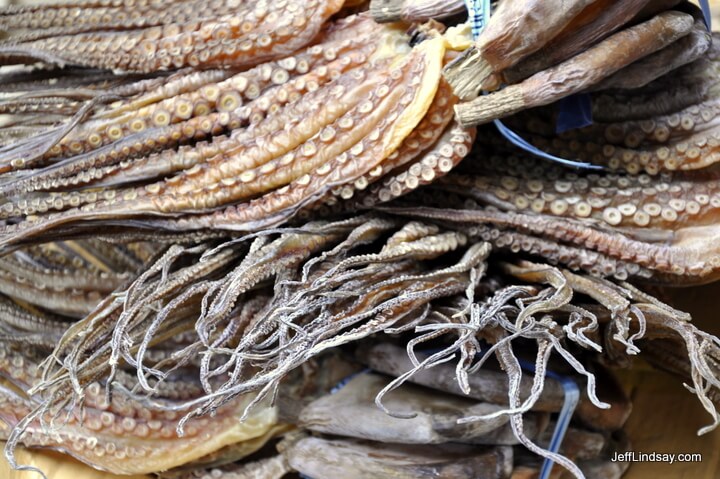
(188, 239)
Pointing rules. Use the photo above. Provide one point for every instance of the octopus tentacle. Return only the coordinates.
(427, 133)
(434, 163)
(126, 435)
(260, 32)
(404, 94)
(684, 51)
(217, 107)
(56, 21)
(666, 202)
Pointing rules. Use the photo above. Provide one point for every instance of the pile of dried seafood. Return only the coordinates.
(244, 238)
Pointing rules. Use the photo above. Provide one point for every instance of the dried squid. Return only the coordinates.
(387, 105)
(250, 238)
(254, 311)
(160, 35)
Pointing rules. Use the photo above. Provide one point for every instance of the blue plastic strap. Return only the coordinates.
(572, 397)
(707, 13)
(574, 111)
(518, 141)
(344, 381)
(477, 14)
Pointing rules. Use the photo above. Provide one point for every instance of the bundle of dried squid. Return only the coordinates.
(249, 239)
(220, 329)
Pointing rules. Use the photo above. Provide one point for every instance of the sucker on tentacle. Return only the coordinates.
(255, 31)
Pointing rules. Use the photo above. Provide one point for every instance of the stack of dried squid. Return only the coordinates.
(238, 239)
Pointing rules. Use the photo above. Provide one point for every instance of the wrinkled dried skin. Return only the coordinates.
(518, 29)
(684, 51)
(325, 459)
(255, 31)
(657, 225)
(578, 443)
(356, 120)
(435, 421)
(580, 72)
(414, 10)
(595, 22)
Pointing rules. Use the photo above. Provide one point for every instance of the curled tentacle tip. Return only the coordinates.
(710, 428)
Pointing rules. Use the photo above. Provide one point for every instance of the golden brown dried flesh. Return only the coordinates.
(336, 124)
(600, 45)
(653, 216)
(155, 114)
(653, 228)
(228, 33)
(581, 71)
(126, 435)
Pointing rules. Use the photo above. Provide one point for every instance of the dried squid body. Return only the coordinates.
(665, 126)
(580, 72)
(336, 134)
(525, 62)
(435, 418)
(516, 30)
(414, 10)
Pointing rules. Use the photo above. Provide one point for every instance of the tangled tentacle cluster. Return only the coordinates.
(253, 310)
(262, 198)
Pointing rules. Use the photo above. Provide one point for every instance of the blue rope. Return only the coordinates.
(707, 14)
(516, 140)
